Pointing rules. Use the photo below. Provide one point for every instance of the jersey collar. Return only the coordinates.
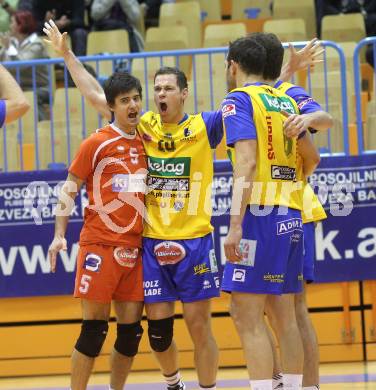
(122, 133)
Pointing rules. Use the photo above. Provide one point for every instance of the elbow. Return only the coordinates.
(24, 107)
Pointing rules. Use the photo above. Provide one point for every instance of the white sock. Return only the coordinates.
(292, 382)
(265, 384)
(173, 379)
(277, 381)
(317, 387)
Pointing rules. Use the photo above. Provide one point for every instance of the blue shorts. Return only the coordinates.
(309, 252)
(184, 270)
(272, 248)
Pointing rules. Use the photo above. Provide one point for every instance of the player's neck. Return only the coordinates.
(125, 129)
(242, 79)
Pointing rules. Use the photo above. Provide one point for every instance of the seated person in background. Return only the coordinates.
(23, 44)
(68, 16)
(333, 7)
(118, 14)
(7, 8)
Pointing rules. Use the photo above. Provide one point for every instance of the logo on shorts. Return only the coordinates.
(248, 252)
(238, 275)
(216, 281)
(213, 261)
(290, 225)
(206, 285)
(201, 269)
(126, 257)
(169, 252)
(92, 262)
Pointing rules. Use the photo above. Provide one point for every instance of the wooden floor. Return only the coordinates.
(357, 376)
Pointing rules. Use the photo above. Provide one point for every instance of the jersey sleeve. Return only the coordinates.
(306, 103)
(3, 109)
(237, 115)
(82, 164)
(214, 127)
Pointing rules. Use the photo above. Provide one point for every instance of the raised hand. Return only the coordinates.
(308, 56)
(57, 40)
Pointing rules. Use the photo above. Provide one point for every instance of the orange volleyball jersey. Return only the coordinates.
(113, 165)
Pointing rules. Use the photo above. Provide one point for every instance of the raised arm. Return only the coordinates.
(16, 104)
(308, 56)
(85, 82)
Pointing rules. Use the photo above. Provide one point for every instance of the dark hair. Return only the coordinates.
(274, 54)
(25, 21)
(181, 78)
(118, 83)
(249, 54)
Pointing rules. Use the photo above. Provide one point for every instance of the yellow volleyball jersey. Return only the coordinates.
(275, 181)
(180, 164)
(312, 209)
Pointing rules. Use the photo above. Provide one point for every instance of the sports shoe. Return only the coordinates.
(180, 386)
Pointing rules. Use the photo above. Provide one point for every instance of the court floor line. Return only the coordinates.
(228, 383)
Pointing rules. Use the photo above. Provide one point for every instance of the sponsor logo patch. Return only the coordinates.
(169, 252)
(128, 183)
(201, 269)
(280, 172)
(126, 257)
(277, 104)
(206, 285)
(92, 262)
(147, 137)
(248, 252)
(171, 167)
(228, 110)
(238, 275)
(290, 225)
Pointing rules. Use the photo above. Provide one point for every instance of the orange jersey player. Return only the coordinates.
(112, 164)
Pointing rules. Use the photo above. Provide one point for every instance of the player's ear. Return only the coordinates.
(185, 93)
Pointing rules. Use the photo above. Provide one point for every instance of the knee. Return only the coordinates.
(128, 338)
(160, 333)
(92, 336)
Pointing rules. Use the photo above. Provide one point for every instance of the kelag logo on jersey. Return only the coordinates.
(171, 167)
(277, 104)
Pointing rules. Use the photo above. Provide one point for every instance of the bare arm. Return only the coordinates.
(85, 82)
(244, 171)
(295, 124)
(15, 101)
(63, 210)
(308, 56)
(309, 154)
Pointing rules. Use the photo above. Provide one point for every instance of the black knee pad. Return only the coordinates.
(161, 333)
(128, 338)
(92, 336)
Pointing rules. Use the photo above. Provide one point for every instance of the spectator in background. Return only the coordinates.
(68, 16)
(23, 44)
(150, 8)
(118, 14)
(333, 7)
(7, 8)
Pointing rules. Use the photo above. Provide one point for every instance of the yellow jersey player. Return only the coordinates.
(264, 245)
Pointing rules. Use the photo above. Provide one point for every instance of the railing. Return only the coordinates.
(35, 142)
(358, 88)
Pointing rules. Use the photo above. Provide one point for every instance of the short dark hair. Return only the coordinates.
(181, 78)
(274, 54)
(249, 54)
(118, 83)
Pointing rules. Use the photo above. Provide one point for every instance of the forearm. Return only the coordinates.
(61, 223)
(309, 154)
(243, 179)
(15, 100)
(87, 84)
(320, 120)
